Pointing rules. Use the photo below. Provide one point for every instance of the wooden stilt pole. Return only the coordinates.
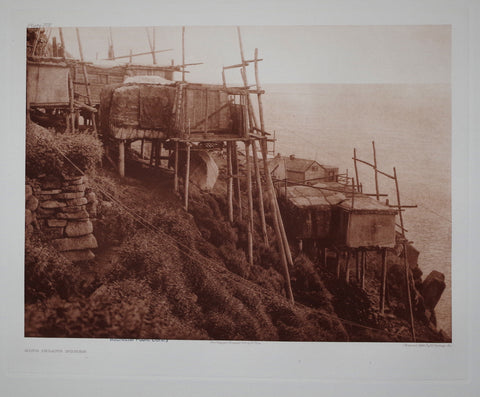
(62, 40)
(236, 172)
(187, 176)
(384, 280)
(376, 171)
(337, 261)
(85, 77)
(398, 202)
(407, 280)
(356, 169)
(175, 176)
(288, 252)
(183, 54)
(230, 182)
(347, 268)
(250, 203)
(357, 266)
(121, 158)
(364, 263)
(72, 102)
(142, 149)
(260, 193)
(152, 152)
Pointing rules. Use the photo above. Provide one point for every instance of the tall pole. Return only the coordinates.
(407, 278)
(398, 201)
(183, 54)
(250, 203)
(260, 192)
(62, 40)
(85, 77)
(356, 169)
(375, 168)
(384, 280)
(153, 46)
(230, 182)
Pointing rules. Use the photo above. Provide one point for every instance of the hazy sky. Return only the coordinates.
(292, 54)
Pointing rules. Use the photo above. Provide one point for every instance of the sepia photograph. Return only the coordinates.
(239, 183)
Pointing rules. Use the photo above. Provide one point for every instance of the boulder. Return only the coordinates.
(70, 181)
(75, 243)
(51, 182)
(28, 217)
(83, 214)
(92, 209)
(31, 203)
(79, 255)
(203, 170)
(28, 230)
(53, 204)
(74, 229)
(77, 202)
(50, 191)
(91, 197)
(73, 208)
(74, 188)
(56, 222)
(70, 195)
(432, 289)
(53, 232)
(45, 212)
(28, 191)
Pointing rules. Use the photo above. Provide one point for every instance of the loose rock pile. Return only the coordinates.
(63, 208)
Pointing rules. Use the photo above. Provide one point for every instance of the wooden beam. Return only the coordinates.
(175, 177)
(137, 54)
(183, 54)
(187, 176)
(239, 65)
(407, 280)
(373, 166)
(250, 204)
(230, 182)
(121, 158)
(260, 193)
(384, 281)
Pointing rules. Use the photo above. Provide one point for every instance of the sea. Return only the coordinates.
(412, 130)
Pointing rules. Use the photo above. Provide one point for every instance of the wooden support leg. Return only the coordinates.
(187, 176)
(407, 280)
(288, 253)
(347, 268)
(337, 261)
(250, 204)
(357, 266)
(236, 171)
(260, 193)
(364, 268)
(384, 280)
(142, 148)
(152, 152)
(300, 245)
(276, 222)
(230, 182)
(158, 154)
(175, 175)
(121, 158)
